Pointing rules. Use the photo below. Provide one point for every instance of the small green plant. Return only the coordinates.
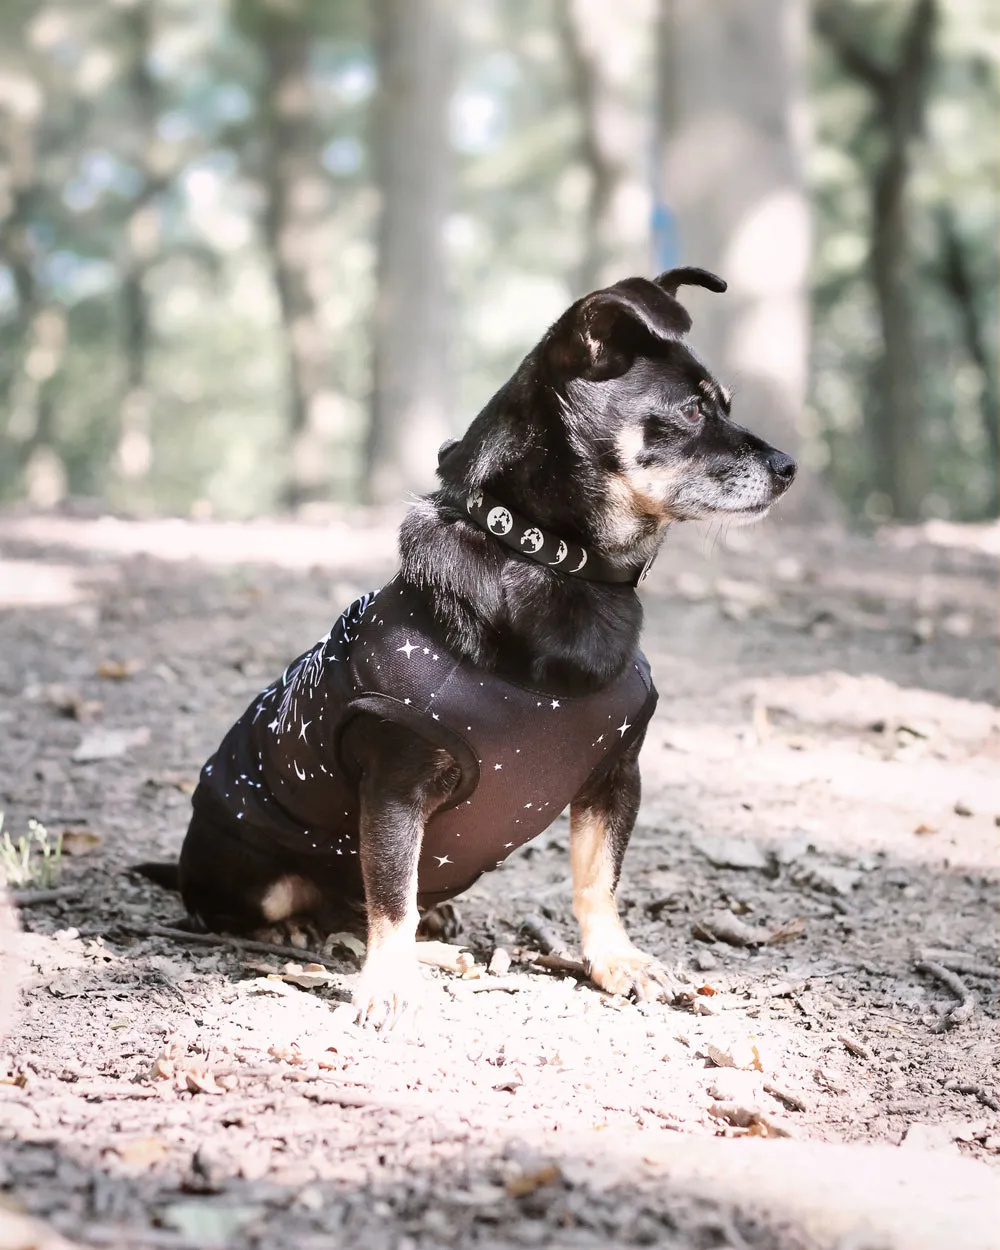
(34, 859)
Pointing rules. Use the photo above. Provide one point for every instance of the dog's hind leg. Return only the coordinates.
(601, 821)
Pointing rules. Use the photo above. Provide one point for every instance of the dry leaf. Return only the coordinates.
(347, 940)
(307, 976)
(741, 1054)
(754, 1121)
(108, 744)
(528, 1182)
(142, 1152)
(118, 670)
(200, 1080)
(77, 842)
(923, 829)
(286, 1054)
(788, 931)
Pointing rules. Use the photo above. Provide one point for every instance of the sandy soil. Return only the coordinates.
(820, 785)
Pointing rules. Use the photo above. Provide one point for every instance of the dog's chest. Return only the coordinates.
(529, 752)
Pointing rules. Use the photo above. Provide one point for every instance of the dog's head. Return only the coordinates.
(613, 426)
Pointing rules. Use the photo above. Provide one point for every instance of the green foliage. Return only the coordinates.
(955, 178)
(134, 165)
(34, 859)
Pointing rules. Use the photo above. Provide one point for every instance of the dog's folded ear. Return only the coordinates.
(601, 334)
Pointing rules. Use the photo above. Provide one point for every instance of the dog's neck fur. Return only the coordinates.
(558, 631)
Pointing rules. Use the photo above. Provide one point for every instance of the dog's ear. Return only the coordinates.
(671, 279)
(601, 334)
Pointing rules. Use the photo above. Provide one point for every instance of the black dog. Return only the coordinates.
(449, 718)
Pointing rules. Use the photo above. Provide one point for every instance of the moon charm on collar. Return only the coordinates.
(499, 521)
(474, 501)
(531, 540)
(561, 553)
(583, 561)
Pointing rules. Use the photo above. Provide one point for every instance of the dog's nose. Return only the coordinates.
(782, 467)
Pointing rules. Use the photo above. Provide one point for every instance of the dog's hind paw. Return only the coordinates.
(387, 999)
(442, 922)
(633, 973)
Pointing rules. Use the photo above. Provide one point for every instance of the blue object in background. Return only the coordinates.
(663, 228)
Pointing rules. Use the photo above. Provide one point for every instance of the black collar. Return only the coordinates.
(534, 543)
(531, 541)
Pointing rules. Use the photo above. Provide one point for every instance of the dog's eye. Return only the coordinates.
(692, 412)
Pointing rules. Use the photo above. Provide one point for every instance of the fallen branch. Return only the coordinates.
(957, 962)
(240, 944)
(967, 1004)
(853, 1046)
(559, 963)
(35, 898)
(790, 1100)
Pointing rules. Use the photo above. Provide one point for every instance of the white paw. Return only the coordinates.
(631, 972)
(389, 994)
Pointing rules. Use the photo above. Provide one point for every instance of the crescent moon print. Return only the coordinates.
(583, 561)
(474, 501)
(561, 552)
(531, 540)
(500, 521)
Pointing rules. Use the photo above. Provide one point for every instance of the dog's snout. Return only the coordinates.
(781, 466)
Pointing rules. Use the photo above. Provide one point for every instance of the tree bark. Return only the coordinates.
(603, 63)
(38, 345)
(409, 406)
(732, 136)
(141, 243)
(896, 427)
(960, 282)
(297, 201)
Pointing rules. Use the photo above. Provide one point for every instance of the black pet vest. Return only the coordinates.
(524, 754)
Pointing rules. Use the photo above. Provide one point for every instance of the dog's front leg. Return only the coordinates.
(601, 821)
(403, 779)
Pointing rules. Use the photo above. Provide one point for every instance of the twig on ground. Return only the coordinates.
(752, 1119)
(853, 1046)
(35, 898)
(790, 1100)
(558, 963)
(958, 962)
(102, 1089)
(240, 944)
(549, 942)
(967, 1005)
(985, 1096)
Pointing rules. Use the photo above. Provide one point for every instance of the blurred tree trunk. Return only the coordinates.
(297, 201)
(960, 281)
(732, 137)
(602, 43)
(38, 348)
(409, 406)
(900, 92)
(141, 244)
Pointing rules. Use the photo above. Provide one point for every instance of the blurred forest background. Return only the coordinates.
(260, 254)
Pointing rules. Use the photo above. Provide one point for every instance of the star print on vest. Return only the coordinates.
(280, 775)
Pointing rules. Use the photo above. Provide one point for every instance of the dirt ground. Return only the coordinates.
(821, 794)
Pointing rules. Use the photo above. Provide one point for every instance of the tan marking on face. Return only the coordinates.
(288, 896)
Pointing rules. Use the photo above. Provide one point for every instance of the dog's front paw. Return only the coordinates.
(631, 972)
(389, 994)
